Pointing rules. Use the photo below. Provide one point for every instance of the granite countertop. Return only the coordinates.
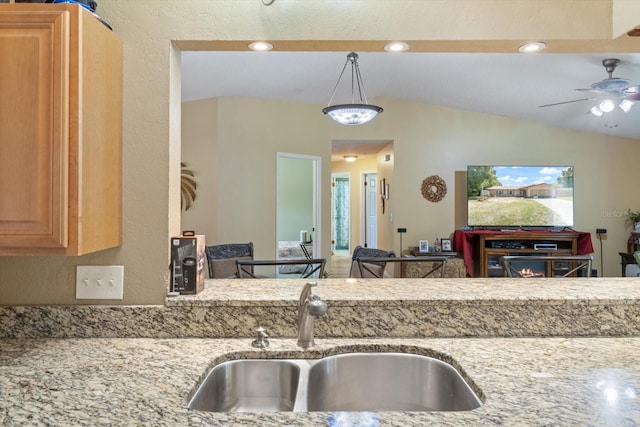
(139, 381)
(538, 351)
(358, 308)
(372, 291)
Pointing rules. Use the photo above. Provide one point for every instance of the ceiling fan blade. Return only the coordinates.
(601, 92)
(631, 93)
(567, 102)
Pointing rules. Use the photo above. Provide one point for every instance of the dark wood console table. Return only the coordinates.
(633, 243)
(626, 259)
(482, 249)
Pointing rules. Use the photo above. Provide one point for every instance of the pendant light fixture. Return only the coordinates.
(354, 113)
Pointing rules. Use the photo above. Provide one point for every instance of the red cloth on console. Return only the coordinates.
(463, 242)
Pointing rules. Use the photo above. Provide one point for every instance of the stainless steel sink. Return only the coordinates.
(387, 382)
(254, 385)
(345, 382)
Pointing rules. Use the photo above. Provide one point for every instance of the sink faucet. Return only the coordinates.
(310, 306)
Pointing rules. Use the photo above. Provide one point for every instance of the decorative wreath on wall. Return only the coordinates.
(434, 188)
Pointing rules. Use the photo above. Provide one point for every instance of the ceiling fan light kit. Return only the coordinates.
(596, 111)
(607, 106)
(353, 113)
(615, 90)
(625, 105)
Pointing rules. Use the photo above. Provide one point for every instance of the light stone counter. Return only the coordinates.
(543, 352)
(358, 308)
(135, 382)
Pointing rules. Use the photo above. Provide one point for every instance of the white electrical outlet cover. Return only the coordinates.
(99, 281)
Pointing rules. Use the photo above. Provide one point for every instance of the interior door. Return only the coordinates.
(298, 200)
(371, 209)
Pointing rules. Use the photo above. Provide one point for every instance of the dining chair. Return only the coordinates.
(313, 267)
(369, 268)
(222, 259)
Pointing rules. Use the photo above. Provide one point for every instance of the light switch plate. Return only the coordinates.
(99, 281)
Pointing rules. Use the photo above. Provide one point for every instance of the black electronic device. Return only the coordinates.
(506, 244)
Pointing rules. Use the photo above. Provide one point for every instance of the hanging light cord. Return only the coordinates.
(363, 96)
(355, 76)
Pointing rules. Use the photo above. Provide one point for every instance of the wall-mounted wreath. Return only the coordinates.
(434, 188)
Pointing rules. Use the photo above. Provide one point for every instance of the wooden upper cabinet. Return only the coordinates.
(60, 131)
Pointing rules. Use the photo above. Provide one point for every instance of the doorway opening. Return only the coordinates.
(298, 202)
(372, 162)
(340, 214)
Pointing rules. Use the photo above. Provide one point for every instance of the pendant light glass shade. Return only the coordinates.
(354, 113)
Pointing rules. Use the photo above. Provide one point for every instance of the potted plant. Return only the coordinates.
(633, 218)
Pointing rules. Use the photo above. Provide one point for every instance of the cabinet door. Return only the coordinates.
(493, 264)
(34, 129)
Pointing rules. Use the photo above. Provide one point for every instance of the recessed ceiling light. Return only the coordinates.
(532, 47)
(396, 47)
(260, 46)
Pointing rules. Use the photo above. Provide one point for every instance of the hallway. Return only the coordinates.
(340, 265)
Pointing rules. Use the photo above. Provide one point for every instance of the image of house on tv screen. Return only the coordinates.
(520, 196)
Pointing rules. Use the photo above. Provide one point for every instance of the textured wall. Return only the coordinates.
(152, 103)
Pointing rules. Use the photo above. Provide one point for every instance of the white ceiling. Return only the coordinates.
(510, 85)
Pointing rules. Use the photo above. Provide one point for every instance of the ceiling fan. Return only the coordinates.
(612, 91)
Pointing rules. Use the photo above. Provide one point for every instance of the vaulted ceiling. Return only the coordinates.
(467, 60)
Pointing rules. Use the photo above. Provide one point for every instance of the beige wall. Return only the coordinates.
(238, 185)
(151, 153)
(200, 128)
(428, 140)
(387, 222)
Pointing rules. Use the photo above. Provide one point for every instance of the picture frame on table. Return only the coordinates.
(423, 246)
(446, 245)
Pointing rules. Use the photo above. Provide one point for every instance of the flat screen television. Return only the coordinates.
(519, 196)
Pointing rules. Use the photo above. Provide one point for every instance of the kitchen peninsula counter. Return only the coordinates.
(133, 381)
(538, 351)
(357, 308)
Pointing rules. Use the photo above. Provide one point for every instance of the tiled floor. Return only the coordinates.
(340, 266)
